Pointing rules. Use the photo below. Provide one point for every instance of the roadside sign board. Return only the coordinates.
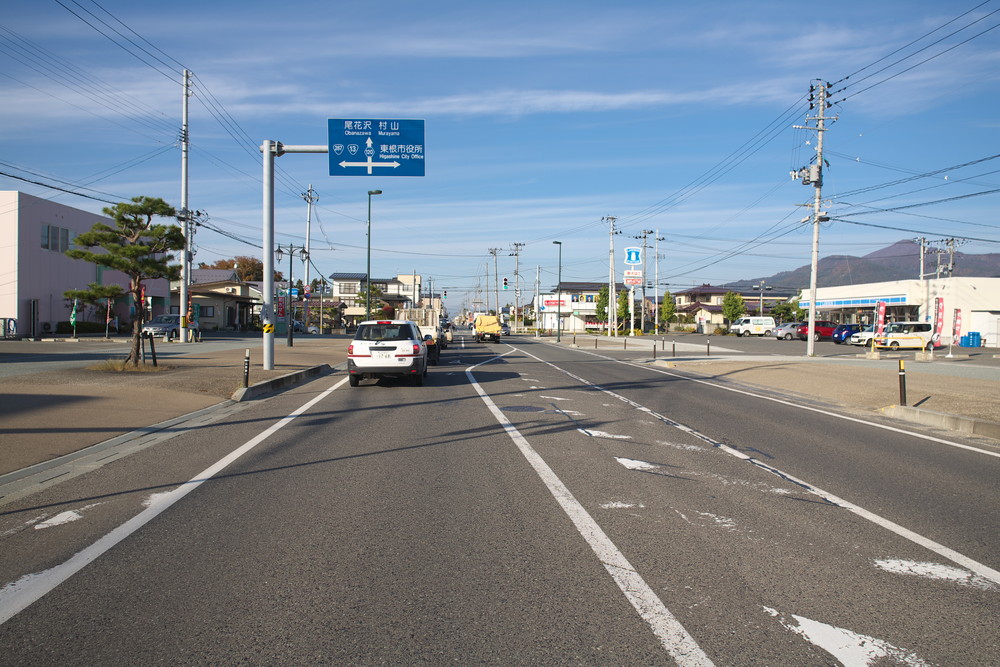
(630, 280)
(376, 147)
(633, 256)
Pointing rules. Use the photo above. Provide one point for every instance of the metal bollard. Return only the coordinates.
(246, 369)
(708, 348)
(624, 343)
(674, 349)
(902, 384)
(654, 351)
(595, 341)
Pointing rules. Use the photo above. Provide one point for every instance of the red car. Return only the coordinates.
(824, 329)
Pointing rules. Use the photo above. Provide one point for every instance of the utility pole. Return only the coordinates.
(642, 304)
(538, 305)
(656, 289)
(487, 288)
(496, 278)
(813, 175)
(517, 286)
(311, 197)
(612, 297)
(182, 307)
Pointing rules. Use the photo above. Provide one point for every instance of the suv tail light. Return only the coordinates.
(416, 350)
(350, 349)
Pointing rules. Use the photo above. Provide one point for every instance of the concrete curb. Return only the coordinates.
(268, 386)
(943, 420)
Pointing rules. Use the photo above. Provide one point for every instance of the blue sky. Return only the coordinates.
(541, 119)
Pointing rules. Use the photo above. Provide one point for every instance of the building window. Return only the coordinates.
(54, 238)
(208, 311)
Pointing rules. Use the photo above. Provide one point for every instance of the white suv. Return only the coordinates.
(387, 348)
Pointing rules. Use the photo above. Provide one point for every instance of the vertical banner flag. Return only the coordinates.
(938, 320)
(956, 327)
(880, 319)
(72, 315)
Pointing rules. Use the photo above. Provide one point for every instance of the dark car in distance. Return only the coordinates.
(842, 334)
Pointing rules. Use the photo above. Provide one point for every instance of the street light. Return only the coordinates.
(368, 275)
(304, 254)
(559, 296)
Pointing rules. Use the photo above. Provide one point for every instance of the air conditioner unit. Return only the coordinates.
(46, 327)
(230, 290)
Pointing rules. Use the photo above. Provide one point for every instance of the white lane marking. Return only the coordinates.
(943, 551)
(64, 517)
(555, 398)
(936, 571)
(828, 413)
(602, 434)
(59, 519)
(672, 635)
(618, 505)
(19, 595)
(634, 464)
(849, 648)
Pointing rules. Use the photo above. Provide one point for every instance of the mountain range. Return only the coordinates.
(899, 261)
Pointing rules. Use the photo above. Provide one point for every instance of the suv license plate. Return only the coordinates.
(381, 355)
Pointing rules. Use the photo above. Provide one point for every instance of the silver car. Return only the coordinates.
(167, 325)
(786, 331)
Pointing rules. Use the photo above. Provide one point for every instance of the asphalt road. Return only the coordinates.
(551, 505)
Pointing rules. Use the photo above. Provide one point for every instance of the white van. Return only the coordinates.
(753, 326)
(907, 334)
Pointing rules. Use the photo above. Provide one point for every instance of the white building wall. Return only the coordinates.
(28, 271)
(978, 299)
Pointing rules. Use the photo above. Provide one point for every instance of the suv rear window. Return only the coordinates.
(384, 332)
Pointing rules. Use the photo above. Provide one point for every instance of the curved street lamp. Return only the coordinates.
(368, 274)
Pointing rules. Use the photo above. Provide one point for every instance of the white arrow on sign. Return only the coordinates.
(369, 164)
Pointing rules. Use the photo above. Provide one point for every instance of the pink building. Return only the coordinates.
(34, 271)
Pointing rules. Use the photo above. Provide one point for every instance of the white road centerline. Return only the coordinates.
(672, 635)
(23, 593)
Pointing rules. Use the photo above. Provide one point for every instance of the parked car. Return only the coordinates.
(387, 348)
(753, 326)
(786, 331)
(824, 329)
(907, 335)
(167, 325)
(842, 334)
(504, 329)
(863, 337)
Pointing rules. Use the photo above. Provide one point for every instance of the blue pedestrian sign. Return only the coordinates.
(374, 147)
(633, 256)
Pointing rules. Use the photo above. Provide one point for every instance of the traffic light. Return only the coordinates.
(446, 294)
(505, 283)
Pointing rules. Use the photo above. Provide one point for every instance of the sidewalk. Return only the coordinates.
(46, 415)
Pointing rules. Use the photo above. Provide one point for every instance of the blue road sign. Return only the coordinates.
(373, 147)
